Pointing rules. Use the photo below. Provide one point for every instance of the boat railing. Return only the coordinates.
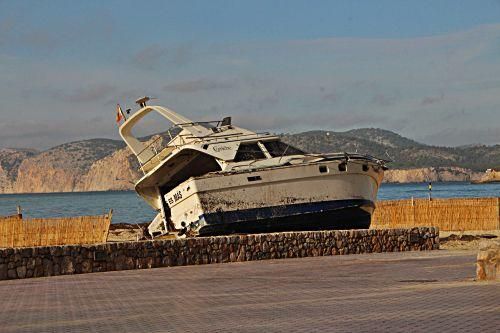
(156, 149)
(150, 148)
(353, 156)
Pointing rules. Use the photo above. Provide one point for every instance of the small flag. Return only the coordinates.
(119, 113)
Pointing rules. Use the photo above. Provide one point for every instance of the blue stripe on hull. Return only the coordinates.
(338, 214)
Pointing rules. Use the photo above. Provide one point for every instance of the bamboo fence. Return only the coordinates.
(448, 214)
(17, 232)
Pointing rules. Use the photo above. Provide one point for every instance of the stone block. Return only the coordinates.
(38, 271)
(86, 266)
(11, 274)
(27, 252)
(48, 267)
(487, 266)
(67, 266)
(3, 271)
(30, 263)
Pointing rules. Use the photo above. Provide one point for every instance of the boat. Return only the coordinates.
(214, 178)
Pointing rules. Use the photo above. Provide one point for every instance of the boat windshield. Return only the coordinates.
(279, 148)
(249, 152)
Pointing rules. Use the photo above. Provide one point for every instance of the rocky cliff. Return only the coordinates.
(441, 174)
(62, 168)
(10, 161)
(117, 171)
(491, 176)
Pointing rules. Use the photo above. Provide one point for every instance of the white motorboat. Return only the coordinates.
(213, 178)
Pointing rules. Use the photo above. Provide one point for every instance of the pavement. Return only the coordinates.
(390, 292)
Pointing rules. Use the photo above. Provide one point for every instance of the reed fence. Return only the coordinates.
(27, 232)
(448, 214)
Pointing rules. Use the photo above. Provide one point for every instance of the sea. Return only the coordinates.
(128, 207)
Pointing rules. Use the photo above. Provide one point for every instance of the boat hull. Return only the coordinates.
(331, 215)
(301, 197)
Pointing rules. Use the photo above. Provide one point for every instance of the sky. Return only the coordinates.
(428, 70)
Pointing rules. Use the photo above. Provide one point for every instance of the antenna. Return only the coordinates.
(390, 158)
(142, 101)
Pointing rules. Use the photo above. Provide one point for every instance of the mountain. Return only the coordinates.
(104, 164)
(403, 152)
(58, 169)
(10, 160)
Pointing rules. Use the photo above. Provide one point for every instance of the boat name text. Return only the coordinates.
(218, 149)
(173, 199)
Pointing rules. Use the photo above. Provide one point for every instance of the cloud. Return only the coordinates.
(331, 97)
(90, 93)
(340, 120)
(255, 104)
(459, 137)
(428, 100)
(155, 56)
(6, 27)
(40, 134)
(40, 39)
(181, 55)
(260, 119)
(149, 57)
(268, 121)
(383, 100)
(414, 85)
(202, 84)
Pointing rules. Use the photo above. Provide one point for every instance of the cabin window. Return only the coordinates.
(342, 166)
(365, 167)
(323, 168)
(248, 152)
(278, 149)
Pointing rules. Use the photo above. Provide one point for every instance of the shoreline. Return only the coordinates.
(133, 191)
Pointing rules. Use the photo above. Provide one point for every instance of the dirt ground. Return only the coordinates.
(466, 240)
(124, 232)
(454, 240)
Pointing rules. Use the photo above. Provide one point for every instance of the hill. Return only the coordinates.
(57, 169)
(10, 160)
(404, 152)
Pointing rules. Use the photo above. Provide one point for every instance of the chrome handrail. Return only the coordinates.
(149, 145)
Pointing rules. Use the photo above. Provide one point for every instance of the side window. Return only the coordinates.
(249, 151)
(278, 148)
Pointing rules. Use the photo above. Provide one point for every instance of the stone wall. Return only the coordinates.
(76, 259)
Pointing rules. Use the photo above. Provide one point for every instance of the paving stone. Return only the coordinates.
(389, 292)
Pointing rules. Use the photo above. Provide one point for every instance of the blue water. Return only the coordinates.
(439, 190)
(128, 207)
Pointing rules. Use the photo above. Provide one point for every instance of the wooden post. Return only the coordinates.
(412, 212)
(498, 213)
(105, 236)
